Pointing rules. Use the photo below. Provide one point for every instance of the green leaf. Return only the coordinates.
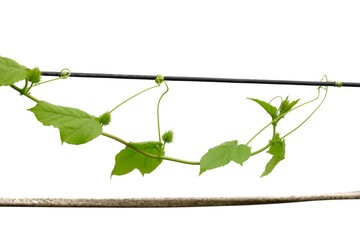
(75, 126)
(277, 149)
(128, 159)
(241, 153)
(11, 71)
(270, 109)
(286, 105)
(222, 154)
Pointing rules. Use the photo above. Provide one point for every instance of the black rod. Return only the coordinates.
(207, 79)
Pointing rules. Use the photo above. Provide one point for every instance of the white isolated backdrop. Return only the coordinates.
(244, 39)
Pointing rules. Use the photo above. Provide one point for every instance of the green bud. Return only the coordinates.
(33, 75)
(168, 136)
(105, 118)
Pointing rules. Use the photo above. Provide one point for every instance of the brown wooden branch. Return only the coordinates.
(169, 202)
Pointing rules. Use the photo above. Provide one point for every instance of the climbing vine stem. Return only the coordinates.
(137, 94)
(311, 114)
(79, 127)
(28, 95)
(158, 108)
(65, 73)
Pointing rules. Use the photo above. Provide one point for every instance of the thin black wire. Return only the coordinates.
(207, 79)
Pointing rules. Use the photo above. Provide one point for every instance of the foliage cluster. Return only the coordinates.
(78, 127)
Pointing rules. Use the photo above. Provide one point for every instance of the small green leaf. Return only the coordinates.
(222, 154)
(11, 71)
(128, 159)
(277, 149)
(33, 75)
(270, 109)
(75, 125)
(286, 105)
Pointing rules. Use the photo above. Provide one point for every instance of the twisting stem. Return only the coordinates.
(267, 145)
(158, 110)
(281, 99)
(261, 130)
(133, 97)
(65, 73)
(261, 149)
(326, 91)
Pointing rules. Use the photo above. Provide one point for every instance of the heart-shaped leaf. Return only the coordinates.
(128, 159)
(222, 154)
(75, 125)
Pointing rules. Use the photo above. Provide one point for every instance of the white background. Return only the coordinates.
(299, 40)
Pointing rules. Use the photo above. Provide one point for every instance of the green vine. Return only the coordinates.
(78, 127)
